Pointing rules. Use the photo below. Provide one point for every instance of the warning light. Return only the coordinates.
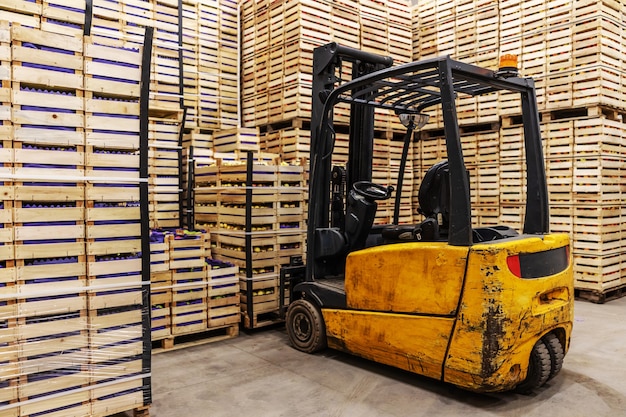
(508, 66)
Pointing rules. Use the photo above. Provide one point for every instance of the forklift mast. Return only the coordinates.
(327, 63)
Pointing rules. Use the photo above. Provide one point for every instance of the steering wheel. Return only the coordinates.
(372, 191)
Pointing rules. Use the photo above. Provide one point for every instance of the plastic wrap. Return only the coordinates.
(74, 291)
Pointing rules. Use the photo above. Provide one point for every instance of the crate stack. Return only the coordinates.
(126, 20)
(187, 259)
(113, 219)
(191, 293)
(573, 51)
(160, 286)
(73, 318)
(195, 66)
(197, 152)
(277, 58)
(164, 129)
(64, 17)
(467, 30)
(256, 215)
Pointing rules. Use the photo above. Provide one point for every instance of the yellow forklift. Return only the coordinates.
(484, 308)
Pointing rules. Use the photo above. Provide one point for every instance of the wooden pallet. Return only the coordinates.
(260, 320)
(195, 338)
(600, 297)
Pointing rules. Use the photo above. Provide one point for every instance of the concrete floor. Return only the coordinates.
(258, 374)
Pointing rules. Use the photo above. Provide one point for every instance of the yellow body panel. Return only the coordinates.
(502, 316)
(392, 339)
(414, 277)
(404, 310)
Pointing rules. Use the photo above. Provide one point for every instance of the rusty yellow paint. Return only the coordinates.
(416, 344)
(501, 316)
(405, 310)
(406, 278)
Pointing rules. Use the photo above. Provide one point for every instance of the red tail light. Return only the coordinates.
(539, 264)
(514, 266)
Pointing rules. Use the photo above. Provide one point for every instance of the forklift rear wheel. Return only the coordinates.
(305, 326)
(556, 353)
(539, 368)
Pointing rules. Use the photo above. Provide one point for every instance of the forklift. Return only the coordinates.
(487, 309)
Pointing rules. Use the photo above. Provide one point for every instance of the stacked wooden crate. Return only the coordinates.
(73, 317)
(114, 22)
(256, 216)
(210, 64)
(277, 58)
(573, 51)
(191, 293)
(195, 66)
(189, 285)
(65, 17)
(160, 286)
(164, 130)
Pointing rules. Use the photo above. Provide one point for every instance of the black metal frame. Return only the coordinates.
(145, 215)
(410, 89)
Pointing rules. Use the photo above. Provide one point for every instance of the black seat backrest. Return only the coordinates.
(434, 193)
(360, 215)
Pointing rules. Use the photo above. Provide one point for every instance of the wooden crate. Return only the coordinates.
(188, 252)
(223, 296)
(242, 139)
(112, 71)
(112, 228)
(198, 140)
(290, 244)
(115, 280)
(263, 246)
(159, 252)
(123, 396)
(48, 59)
(45, 229)
(117, 359)
(63, 16)
(263, 292)
(189, 316)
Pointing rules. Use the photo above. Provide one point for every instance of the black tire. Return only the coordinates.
(305, 326)
(539, 368)
(553, 343)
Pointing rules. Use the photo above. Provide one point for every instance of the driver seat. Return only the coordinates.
(434, 202)
(360, 215)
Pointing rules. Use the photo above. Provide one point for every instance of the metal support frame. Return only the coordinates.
(145, 215)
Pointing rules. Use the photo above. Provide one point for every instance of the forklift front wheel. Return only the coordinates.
(305, 326)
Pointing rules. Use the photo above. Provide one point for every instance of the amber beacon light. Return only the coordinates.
(508, 66)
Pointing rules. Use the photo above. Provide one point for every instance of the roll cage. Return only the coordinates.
(407, 89)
